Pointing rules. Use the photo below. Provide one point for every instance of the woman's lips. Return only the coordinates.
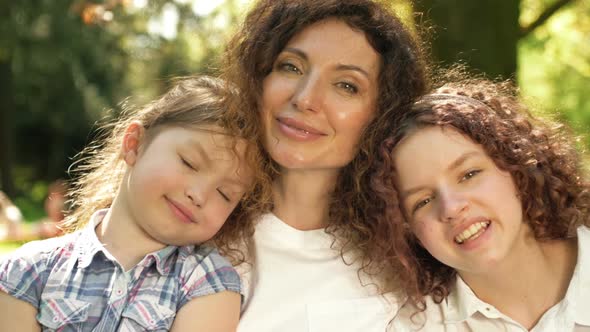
(298, 130)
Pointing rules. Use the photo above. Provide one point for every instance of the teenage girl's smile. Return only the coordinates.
(472, 233)
(463, 209)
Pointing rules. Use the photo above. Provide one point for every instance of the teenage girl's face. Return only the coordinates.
(183, 184)
(464, 210)
(319, 96)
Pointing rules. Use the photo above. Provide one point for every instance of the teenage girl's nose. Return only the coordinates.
(452, 205)
(308, 93)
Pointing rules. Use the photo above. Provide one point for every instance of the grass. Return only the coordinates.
(7, 247)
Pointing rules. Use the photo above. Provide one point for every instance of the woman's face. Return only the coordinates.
(320, 96)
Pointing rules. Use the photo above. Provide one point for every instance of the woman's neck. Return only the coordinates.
(302, 198)
(514, 287)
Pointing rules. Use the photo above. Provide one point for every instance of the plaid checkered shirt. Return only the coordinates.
(77, 285)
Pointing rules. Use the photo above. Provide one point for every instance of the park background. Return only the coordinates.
(68, 65)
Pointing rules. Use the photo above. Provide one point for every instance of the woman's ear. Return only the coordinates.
(131, 142)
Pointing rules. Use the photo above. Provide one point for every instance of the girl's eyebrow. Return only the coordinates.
(454, 165)
(342, 67)
(196, 145)
(463, 158)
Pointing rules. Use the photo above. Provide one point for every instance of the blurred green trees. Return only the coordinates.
(65, 63)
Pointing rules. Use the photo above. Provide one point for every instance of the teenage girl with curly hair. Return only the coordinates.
(490, 211)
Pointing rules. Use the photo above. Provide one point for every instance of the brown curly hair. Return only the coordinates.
(192, 102)
(354, 213)
(540, 156)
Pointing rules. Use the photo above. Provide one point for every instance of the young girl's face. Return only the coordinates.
(183, 183)
(464, 210)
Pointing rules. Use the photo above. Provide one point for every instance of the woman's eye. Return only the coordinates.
(348, 87)
(223, 195)
(289, 67)
(470, 174)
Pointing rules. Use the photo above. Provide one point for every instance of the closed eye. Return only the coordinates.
(187, 164)
(223, 195)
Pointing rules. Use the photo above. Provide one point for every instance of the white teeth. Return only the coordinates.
(472, 230)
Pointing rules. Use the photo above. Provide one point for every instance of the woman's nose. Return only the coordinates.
(308, 94)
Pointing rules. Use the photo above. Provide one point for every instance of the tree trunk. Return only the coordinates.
(6, 108)
(482, 34)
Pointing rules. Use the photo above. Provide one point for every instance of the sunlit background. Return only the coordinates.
(67, 64)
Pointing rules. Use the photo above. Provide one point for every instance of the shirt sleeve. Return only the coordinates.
(23, 273)
(206, 272)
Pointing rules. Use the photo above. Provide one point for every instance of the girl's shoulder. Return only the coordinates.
(24, 272)
(42, 252)
(202, 271)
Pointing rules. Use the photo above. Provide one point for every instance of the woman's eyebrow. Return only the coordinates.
(297, 52)
(342, 67)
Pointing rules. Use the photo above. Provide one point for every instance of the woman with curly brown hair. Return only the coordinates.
(320, 82)
(490, 211)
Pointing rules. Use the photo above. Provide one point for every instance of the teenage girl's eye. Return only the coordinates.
(348, 87)
(289, 67)
(470, 174)
(421, 204)
(223, 195)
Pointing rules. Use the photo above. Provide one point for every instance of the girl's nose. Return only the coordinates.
(452, 206)
(198, 194)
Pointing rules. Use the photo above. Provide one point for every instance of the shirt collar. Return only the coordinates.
(88, 245)
(461, 303)
(164, 259)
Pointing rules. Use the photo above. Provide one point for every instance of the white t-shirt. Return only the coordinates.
(298, 283)
(462, 310)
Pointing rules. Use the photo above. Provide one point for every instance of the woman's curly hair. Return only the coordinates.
(540, 156)
(354, 213)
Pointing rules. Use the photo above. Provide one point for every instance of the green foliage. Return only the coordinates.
(554, 63)
(70, 61)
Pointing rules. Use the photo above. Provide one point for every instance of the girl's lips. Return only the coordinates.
(477, 241)
(180, 212)
(298, 130)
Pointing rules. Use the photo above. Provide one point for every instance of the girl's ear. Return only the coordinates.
(131, 142)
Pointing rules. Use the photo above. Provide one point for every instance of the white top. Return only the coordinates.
(463, 311)
(298, 283)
